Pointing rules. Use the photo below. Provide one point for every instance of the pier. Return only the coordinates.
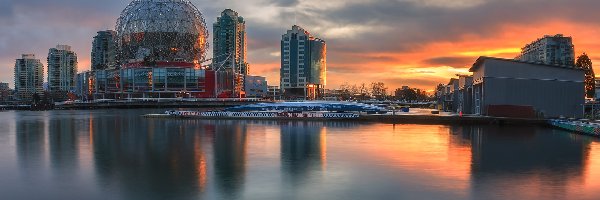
(420, 116)
(156, 103)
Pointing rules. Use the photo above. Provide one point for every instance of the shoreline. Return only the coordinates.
(389, 119)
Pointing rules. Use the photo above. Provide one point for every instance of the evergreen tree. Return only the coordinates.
(584, 62)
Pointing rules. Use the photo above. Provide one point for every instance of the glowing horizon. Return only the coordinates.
(401, 43)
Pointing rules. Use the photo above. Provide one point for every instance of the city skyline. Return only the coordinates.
(416, 43)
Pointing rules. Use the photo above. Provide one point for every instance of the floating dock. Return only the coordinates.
(583, 127)
(391, 119)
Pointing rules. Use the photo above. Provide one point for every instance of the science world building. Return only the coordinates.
(160, 47)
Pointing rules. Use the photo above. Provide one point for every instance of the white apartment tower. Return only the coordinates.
(29, 77)
(550, 50)
(62, 71)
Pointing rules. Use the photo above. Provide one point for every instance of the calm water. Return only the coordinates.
(116, 154)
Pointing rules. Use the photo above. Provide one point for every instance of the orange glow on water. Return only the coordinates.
(200, 161)
(323, 145)
(444, 159)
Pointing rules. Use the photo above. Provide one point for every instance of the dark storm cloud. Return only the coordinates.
(413, 24)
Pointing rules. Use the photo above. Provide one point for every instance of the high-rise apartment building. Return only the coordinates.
(551, 50)
(229, 50)
(303, 64)
(104, 50)
(29, 77)
(62, 71)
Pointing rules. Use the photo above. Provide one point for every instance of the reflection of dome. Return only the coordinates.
(161, 30)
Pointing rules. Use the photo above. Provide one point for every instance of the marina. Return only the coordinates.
(344, 111)
(116, 154)
(585, 127)
(283, 110)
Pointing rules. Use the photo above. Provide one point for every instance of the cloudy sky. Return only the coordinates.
(400, 42)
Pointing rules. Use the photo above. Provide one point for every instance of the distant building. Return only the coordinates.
(465, 94)
(62, 70)
(255, 86)
(229, 50)
(303, 64)
(597, 81)
(104, 50)
(4, 92)
(29, 77)
(273, 92)
(4, 86)
(450, 102)
(332, 94)
(509, 87)
(550, 50)
(85, 85)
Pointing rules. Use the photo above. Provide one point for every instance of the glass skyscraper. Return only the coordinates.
(303, 64)
(104, 50)
(229, 51)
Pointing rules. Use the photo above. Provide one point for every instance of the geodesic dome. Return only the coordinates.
(161, 30)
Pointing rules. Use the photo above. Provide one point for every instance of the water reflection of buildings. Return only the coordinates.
(161, 160)
(525, 162)
(30, 144)
(63, 143)
(303, 148)
(229, 148)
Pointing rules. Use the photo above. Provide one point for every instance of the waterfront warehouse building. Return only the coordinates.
(29, 77)
(465, 94)
(256, 86)
(303, 64)
(230, 51)
(451, 96)
(552, 50)
(62, 71)
(550, 90)
(104, 50)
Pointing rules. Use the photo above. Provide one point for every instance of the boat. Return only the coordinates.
(257, 115)
(282, 110)
(583, 127)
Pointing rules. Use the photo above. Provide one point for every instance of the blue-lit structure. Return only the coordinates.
(310, 106)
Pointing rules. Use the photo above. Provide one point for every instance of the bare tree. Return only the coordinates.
(378, 90)
(363, 91)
